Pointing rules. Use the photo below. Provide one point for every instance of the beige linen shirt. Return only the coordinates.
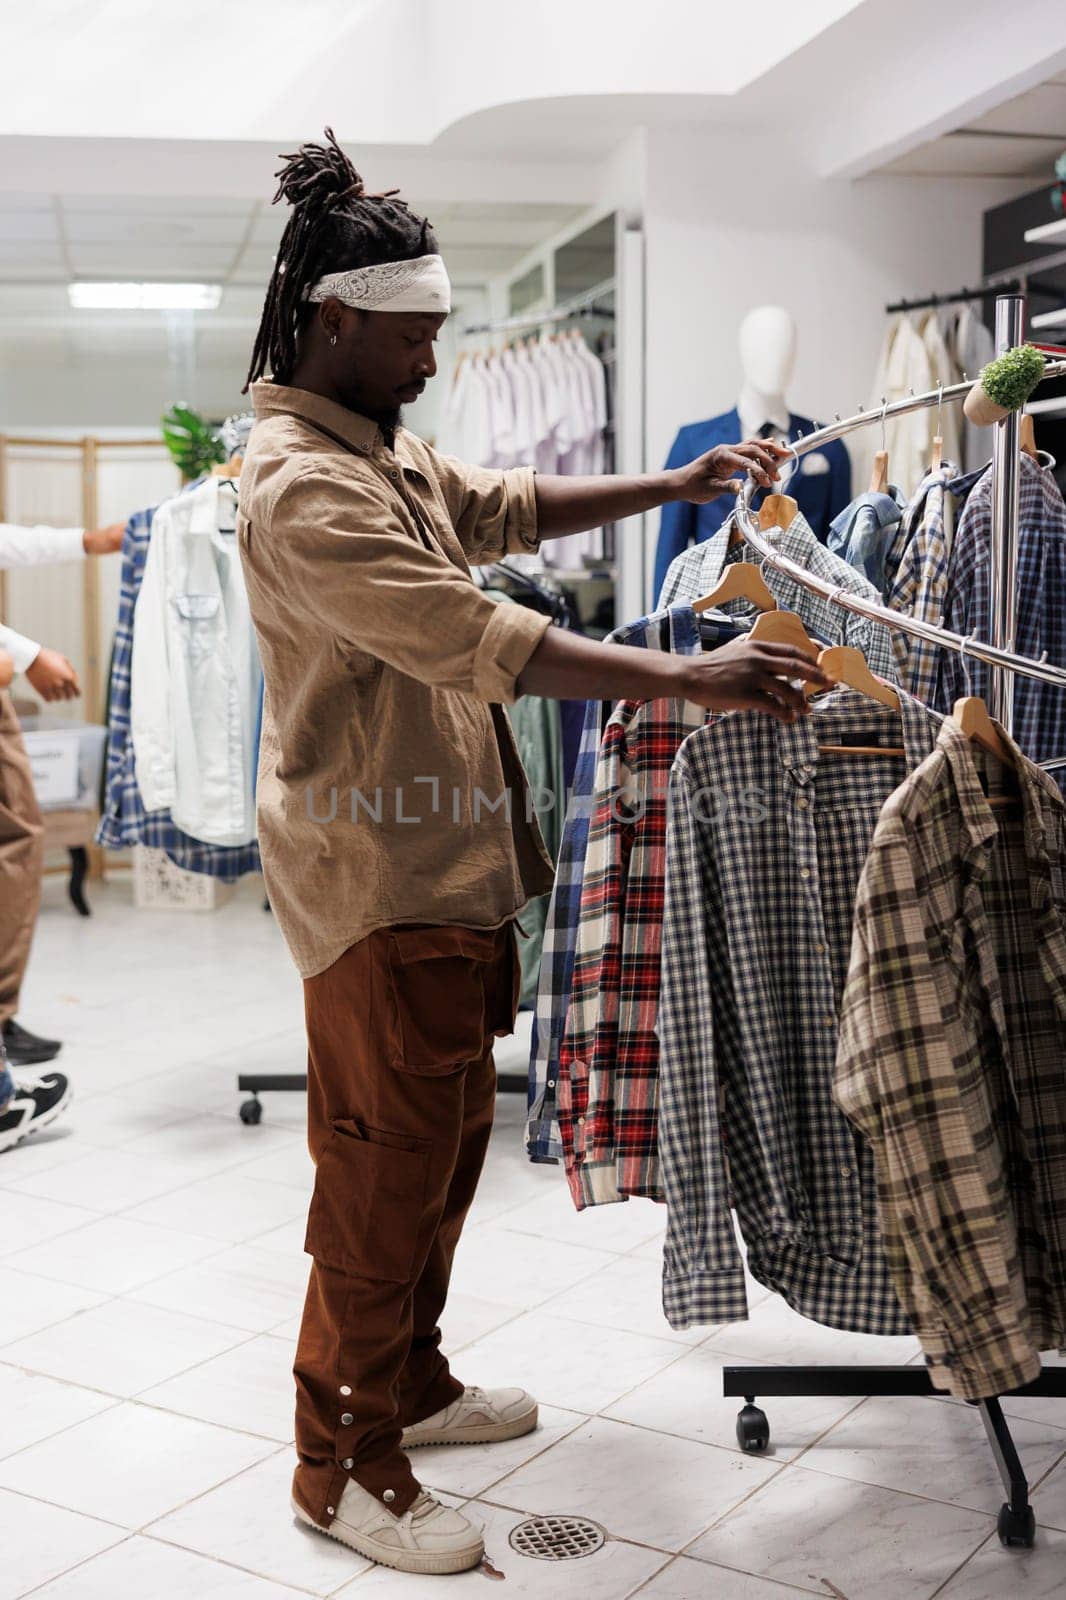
(390, 789)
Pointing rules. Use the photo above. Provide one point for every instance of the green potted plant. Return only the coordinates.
(194, 444)
(1004, 385)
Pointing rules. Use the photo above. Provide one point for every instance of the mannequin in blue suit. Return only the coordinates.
(821, 486)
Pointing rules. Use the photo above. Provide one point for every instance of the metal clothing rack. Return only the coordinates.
(1017, 1523)
(987, 291)
(579, 305)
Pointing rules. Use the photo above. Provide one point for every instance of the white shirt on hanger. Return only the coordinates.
(538, 416)
(524, 437)
(973, 347)
(904, 364)
(195, 671)
(502, 414)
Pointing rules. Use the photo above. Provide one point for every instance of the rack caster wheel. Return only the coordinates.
(1017, 1528)
(753, 1430)
(252, 1112)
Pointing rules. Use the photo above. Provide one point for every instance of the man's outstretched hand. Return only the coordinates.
(749, 675)
(715, 473)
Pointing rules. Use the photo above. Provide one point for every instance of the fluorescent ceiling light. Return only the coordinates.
(145, 296)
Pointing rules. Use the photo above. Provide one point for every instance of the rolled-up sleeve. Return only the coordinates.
(494, 513)
(353, 563)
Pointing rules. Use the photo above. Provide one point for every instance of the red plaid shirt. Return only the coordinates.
(608, 1077)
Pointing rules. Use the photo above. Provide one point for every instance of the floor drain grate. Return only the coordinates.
(557, 1538)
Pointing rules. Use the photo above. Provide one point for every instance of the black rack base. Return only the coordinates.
(256, 1083)
(1017, 1523)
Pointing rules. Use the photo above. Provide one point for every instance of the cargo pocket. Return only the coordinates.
(368, 1202)
(437, 979)
(504, 990)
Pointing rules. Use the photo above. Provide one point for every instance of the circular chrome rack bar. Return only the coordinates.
(763, 546)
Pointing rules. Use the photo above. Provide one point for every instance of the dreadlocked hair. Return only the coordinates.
(335, 226)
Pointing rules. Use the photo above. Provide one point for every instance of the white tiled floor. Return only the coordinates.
(150, 1288)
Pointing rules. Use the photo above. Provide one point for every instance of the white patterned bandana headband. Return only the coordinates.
(419, 286)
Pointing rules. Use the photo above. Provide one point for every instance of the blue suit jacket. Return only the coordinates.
(820, 494)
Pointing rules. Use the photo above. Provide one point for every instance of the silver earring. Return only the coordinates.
(333, 338)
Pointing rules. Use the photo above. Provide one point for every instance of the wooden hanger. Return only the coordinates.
(938, 453)
(970, 715)
(228, 469)
(783, 627)
(1027, 435)
(879, 475)
(847, 665)
(776, 511)
(741, 581)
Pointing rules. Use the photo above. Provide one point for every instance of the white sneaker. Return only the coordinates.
(428, 1538)
(479, 1416)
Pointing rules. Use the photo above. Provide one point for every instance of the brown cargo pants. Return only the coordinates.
(21, 858)
(401, 1092)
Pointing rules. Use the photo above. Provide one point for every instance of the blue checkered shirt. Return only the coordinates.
(1039, 708)
(681, 632)
(697, 571)
(125, 821)
(766, 843)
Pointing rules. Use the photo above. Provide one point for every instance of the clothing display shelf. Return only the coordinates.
(1017, 1524)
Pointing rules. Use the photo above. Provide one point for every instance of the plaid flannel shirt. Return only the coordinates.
(952, 1040)
(125, 821)
(1039, 708)
(697, 571)
(920, 585)
(767, 839)
(609, 1059)
(673, 630)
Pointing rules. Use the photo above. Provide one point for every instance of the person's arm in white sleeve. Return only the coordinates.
(23, 651)
(41, 546)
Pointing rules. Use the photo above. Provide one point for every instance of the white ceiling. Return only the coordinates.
(1020, 138)
(53, 238)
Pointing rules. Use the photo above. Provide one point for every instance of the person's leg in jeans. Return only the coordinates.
(400, 1093)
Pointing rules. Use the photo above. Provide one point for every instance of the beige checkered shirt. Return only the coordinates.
(950, 1061)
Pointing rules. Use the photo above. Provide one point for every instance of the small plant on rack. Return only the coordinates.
(1005, 385)
(195, 445)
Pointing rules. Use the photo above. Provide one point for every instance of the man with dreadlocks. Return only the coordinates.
(398, 840)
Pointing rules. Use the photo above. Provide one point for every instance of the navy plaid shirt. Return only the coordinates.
(125, 821)
(1039, 708)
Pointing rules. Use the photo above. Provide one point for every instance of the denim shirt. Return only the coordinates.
(863, 533)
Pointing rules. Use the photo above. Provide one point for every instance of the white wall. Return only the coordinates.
(729, 226)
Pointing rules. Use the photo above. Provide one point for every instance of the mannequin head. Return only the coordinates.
(768, 349)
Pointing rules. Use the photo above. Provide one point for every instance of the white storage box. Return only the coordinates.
(66, 762)
(158, 885)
